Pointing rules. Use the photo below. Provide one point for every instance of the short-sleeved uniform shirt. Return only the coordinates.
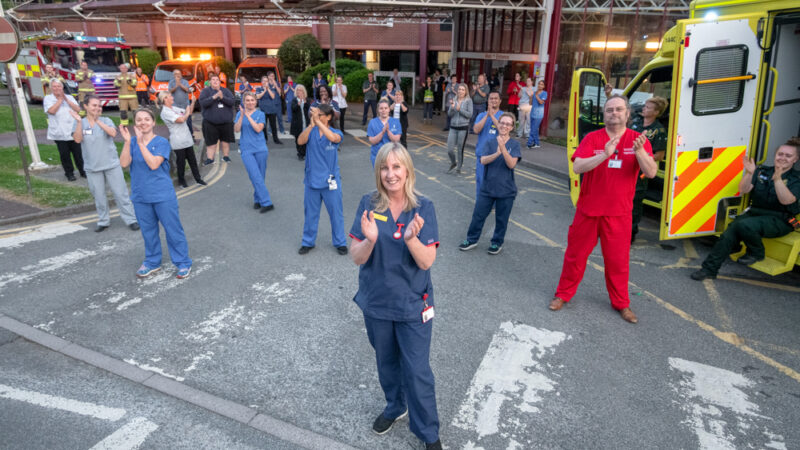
(390, 284)
(97, 147)
(180, 97)
(288, 92)
(268, 104)
(498, 179)
(179, 135)
(606, 191)
(252, 141)
(61, 124)
(477, 99)
(763, 195)
(385, 94)
(374, 128)
(322, 160)
(537, 109)
(151, 186)
(370, 95)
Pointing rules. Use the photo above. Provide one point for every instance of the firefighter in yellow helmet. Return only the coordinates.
(126, 84)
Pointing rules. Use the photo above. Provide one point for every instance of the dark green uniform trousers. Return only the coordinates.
(749, 228)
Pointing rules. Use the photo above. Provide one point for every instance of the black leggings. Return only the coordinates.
(67, 151)
(182, 155)
(514, 109)
(272, 119)
(341, 118)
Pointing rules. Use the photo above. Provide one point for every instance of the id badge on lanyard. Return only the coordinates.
(615, 163)
(427, 311)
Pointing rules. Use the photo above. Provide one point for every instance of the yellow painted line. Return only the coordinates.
(362, 141)
(537, 214)
(727, 337)
(689, 250)
(88, 218)
(716, 303)
(764, 284)
(774, 347)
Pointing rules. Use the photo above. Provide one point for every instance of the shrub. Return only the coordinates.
(297, 53)
(147, 59)
(228, 67)
(344, 67)
(354, 81)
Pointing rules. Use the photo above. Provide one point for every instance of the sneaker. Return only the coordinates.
(145, 271)
(467, 245)
(201, 182)
(100, 228)
(208, 161)
(134, 226)
(746, 260)
(702, 274)
(434, 445)
(183, 273)
(530, 147)
(536, 146)
(452, 166)
(304, 249)
(341, 250)
(495, 249)
(226, 159)
(71, 178)
(382, 425)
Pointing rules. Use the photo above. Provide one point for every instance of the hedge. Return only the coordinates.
(147, 59)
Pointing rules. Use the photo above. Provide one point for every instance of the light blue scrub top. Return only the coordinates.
(252, 141)
(151, 186)
(322, 160)
(374, 128)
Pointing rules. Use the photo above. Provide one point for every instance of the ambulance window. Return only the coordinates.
(719, 97)
(657, 83)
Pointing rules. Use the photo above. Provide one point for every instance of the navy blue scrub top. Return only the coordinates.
(390, 284)
(322, 159)
(151, 186)
(268, 104)
(498, 179)
(250, 140)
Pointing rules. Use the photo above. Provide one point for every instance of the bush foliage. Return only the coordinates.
(147, 59)
(299, 52)
(344, 67)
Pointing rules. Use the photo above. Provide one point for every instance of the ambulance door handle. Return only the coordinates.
(774, 90)
(760, 159)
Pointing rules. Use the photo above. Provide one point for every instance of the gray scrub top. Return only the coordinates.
(99, 151)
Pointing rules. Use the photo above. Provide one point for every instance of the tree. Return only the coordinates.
(299, 52)
(147, 59)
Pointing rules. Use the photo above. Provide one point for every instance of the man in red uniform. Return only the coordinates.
(610, 160)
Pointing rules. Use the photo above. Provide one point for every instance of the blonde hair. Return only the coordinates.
(380, 201)
(249, 94)
(162, 95)
(300, 87)
(660, 104)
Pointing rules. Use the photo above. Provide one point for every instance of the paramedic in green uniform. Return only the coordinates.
(649, 125)
(773, 202)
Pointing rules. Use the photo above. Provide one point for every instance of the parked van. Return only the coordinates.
(194, 70)
(729, 73)
(254, 67)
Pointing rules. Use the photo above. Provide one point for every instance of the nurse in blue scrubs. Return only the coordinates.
(382, 130)
(251, 121)
(395, 236)
(486, 125)
(153, 195)
(322, 180)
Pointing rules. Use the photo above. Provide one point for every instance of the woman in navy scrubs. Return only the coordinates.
(153, 195)
(251, 121)
(395, 237)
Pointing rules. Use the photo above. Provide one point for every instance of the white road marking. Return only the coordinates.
(124, 305)
(49, 231)
(295, 277)
(711, 396)
(153, 369)
(129, 437)
(50, 264)
(61, 403)
(197, 359)
(511, 376)
(211, 328)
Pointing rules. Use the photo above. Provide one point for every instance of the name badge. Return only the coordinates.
(380, 217)
(87, 131)
(493, 130)
(615, 164)
(220, 105)
(332, 184)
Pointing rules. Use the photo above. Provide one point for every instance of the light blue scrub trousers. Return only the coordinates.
(149, 215)
(311, 206)
(256, 165)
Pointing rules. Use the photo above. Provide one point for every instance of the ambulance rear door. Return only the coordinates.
(587, 97)
(713, 107)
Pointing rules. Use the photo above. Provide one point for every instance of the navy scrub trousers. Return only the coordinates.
(333, 204)
(402, 351)
(502, 211)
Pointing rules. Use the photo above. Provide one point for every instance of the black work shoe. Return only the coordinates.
(304, 249)
(201, 182)
(277, 142)
(183, 184)
(341, 250)
(100, 228)
(452, 166)
(702, 275)
(256, 205)
(71, 178)
(746, 260)
(434, 445)
(382, 425)
(134, 226)
(267, 208)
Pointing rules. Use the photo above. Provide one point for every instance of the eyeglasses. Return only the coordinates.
(617, 109)
(506, 124)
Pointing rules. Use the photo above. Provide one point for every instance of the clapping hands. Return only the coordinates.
(369, 227)
(414, 228)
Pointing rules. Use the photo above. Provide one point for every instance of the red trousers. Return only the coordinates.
(615, 240)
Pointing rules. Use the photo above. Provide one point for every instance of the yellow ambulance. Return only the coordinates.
(731, 74)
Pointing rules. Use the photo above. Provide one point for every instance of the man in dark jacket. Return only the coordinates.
(217, 106)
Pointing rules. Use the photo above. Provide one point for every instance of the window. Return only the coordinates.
(714, 64)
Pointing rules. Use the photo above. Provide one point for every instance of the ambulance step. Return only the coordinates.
(781, 254)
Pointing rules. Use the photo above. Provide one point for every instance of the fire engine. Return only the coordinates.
(730, 75)
(65, 52)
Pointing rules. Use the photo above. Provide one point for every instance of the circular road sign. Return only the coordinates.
(9, 41)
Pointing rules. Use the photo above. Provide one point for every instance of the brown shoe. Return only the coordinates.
(556, 304)
(628, 315)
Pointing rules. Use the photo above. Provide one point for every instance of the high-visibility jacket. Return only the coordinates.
(126, 84)
(46, 81)
(142, 82)
(84, 79)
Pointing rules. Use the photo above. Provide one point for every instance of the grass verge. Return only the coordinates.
(46, 193)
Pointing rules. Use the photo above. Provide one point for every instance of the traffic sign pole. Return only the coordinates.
(14, 100)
